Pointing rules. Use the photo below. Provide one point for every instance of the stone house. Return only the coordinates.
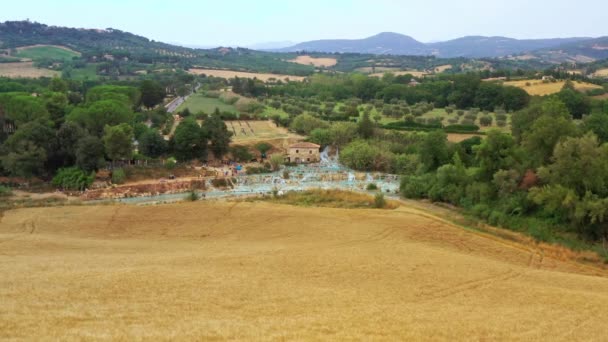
(303, 152)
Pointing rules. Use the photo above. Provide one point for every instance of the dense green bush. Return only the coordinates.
(5, 191)
(73, 178)
(118, 176)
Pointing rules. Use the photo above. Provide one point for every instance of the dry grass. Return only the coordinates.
(242, 74)
(601, 73)
(380, 71)
(317, 62)
(260, 271)
(255, 131)
(537, 87)
(443, 68)
(523, 58)
(458, 137)
(399, 73)
(25, 69)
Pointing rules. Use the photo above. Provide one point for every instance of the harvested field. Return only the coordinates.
(242, 74)
(601, 73)
(522, 58)
(398, 73)
(458, 137)
(318, 62)
(261, 271)
(537, 87)
(252, 130)
(25, 69)
(443, 68)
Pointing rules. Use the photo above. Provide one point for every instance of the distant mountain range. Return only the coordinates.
(97, 42)
(577, 48)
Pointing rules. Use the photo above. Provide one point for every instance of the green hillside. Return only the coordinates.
(46, 52)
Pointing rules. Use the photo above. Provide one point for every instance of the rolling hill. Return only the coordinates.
(480, 46)
(579, 51)
(470, 47)
(383, 44)
(251, 271)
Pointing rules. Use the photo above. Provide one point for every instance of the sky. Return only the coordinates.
(245, 23)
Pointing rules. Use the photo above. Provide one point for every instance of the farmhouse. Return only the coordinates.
(303, 152)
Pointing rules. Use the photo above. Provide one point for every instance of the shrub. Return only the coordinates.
(118, 176)
(170, 163)
(192, 196)
(467, 122)
(305, 123)
(486, 120)
(5, 191)
(469, 127)
(471, 116)
(73, 178)
(415, 186)
(372, 187)
(241, 153)
(501, 117)
(460, 112)
(379, 201)
(276, 160)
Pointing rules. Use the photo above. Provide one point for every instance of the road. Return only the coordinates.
(173, 105)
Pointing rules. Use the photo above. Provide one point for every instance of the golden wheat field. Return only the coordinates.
(601, 73)
(537, 87)
(243, 74)
(315, 61)
(261, 271)
(25, 69)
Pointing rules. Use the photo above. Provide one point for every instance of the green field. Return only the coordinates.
(87, 73)
(198, 102)
(270, 112)
(46, 52)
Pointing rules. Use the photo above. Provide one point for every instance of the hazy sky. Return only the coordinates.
(239, 22)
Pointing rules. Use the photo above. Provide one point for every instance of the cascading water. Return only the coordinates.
(328, 174)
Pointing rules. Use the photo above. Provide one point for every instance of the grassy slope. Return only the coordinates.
(46, 52)
(198, 102)
(87, 73)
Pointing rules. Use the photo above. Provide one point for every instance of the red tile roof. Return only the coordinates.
(304, 145)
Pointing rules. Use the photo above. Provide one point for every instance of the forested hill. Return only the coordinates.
(87, 41)
(95, 44)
